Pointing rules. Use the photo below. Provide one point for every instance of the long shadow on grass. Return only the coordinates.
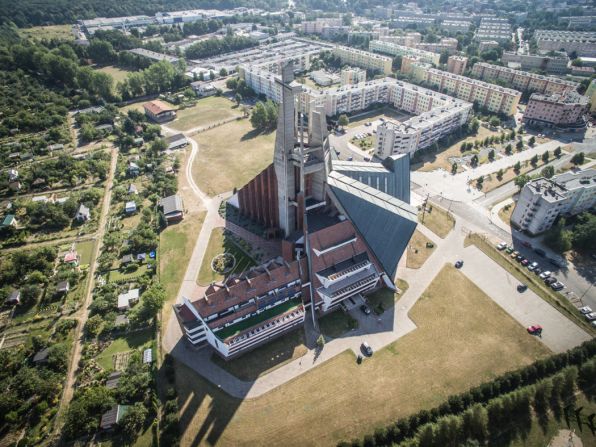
(255, 133)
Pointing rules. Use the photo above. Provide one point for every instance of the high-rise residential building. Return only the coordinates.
(400, 50)
(561, 111)
(457, 64)
(494, 98)
(542, 200)
(547, 63)
(342, 227)
(522, 80)
(364, 59)
(582, 43)
(351, 75)
(318, 26)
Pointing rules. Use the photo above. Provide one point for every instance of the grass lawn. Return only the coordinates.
(555, 299)
(266, 358)
(430, 162)
(175, 248)
(134, 341)
(230, 156)
(506, 212)
(85, 251)
(138, 106)
(337, 323)
(454, 348)
(218, 243)
(63, 32)
(438, 221)
(117, 275)
(383, 112)
(418, 251)
(208, 111)
(384, 299)
(118, 74)
(491, 181)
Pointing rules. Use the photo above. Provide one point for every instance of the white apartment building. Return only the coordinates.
(400, 50)
(494, 98)
(522, 80)
(407, 40)
(317, 26)
(448, 44)
(581, 42)
(492, 28)
(542, 200)
(363, 59)
(351, 76)
(455, 26)
(486, 45)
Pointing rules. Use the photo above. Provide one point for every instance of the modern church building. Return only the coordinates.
(343, 228)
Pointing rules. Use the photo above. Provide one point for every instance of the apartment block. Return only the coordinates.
(485, 45)
(317, 26)
(407, 40)
(495, 98)
(551, 64)
(455, 26)
(457, 64)
(350, 75)
(447, 44)
(492, 28)
(363, 59)
(560, 111)
(400, 50)
(420, 22)
(542, 200)
(581, 42)
(522, 80)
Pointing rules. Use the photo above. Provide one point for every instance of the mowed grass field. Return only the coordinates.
(438, 220)
(454, 348)
(208, 111)
(230, 156)
(218, 244)
(418, 252)
(62, 32)
(116, 73)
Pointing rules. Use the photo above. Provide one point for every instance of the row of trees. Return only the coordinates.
(160, 77)
(264, 115)
(212, 47)
(581, 235)
(410, 428)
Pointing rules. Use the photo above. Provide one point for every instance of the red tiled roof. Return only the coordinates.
(185, 313)
(239, 291)
(156, 107)
(71, 256)
(330, 236)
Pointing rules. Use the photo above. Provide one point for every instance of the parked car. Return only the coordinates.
(509, 250)
(585, 310)
(540, 252)
(519, 258)
(545, 274)
(535, 329)
(537, 271)
(515, 254)
(550, 280)
(365, 309)
(591, 316)
(556, 286)
(532, 266)
(459, 264)
(366, 349)
(521, 288)
(501, 246)
(525, 262)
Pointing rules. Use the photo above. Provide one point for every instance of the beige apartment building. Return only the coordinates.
(557, 111)
(352, 75)
(401, 50)
(495, 98)
(363, 59)
(522, 80)
(457, 64)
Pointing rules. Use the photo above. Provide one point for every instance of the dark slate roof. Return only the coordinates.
(386, 223)
(392, 176)
(41, 356)
(172, 204)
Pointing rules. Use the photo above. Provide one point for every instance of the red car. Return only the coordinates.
(535, 330)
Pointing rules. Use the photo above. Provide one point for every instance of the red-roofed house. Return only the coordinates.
(159, 111)
(71, 258)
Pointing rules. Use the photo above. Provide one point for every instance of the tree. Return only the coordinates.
(578, 159)
(517, 167)
(93, 326)
(534, 160)
(474, 160)
(474, 126)
(548, 172)
(480, 182)
(343, 120)
(454, 168)
(521, 180)
(133, 420)
(558, 238)
(491, 155)
(545, 157)
(584, 232)
(519, 146)
(238, 98)
(500, 174)
(223, 72)
(557, 152)
(153, 299)
(494, 121)
(508, 149)
(321, 341)
(101, 51)
(532, 141)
